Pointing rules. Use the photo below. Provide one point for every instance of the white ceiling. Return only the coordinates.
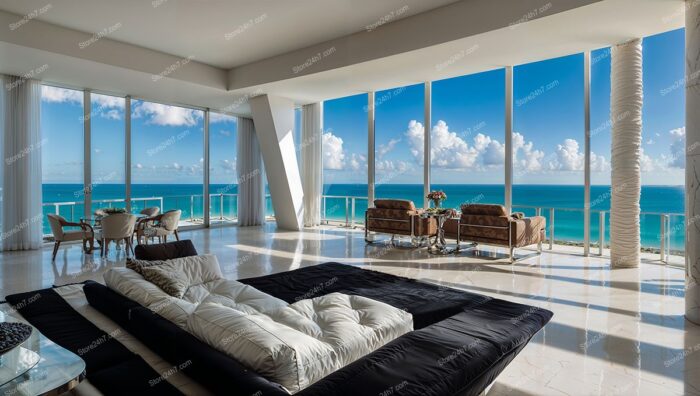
(199, 28)
(424, 47)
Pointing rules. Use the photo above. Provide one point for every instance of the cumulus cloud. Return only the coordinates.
(384, 149)
(450, 151)
(677, 159)
(358, 162)
(160, 114)
(227, 165)
(333, 153)
(60, 95)
(525, 157)
(569, 157)
(224, 132)
(221, 118)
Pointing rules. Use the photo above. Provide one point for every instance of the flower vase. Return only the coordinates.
(436, 203)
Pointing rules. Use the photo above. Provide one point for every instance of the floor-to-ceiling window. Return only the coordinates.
(467, 138)
(62, 153)
(223, 177)
(399, 140)
(345, 157)
(548, 144)
(107, 151)
(601, 127)
(663, 141)
(167, 158)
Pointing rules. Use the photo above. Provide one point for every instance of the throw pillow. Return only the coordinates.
(139, 265)
(172, 282)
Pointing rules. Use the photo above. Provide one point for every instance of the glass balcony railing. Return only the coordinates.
(223, 208)
(661, 233)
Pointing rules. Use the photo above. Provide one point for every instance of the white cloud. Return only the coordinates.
(224, 132)
(333, 154)
(228, 166)
(384, 149)
(358, 162)
(138, 166)
(107, 102)
(60, 95)
(218, 117)
(677, 159)
(569, 158)
(449, 151)
(160, 114)
(647, 164)
(525, 158)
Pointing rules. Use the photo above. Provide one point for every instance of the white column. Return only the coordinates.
(692, 164)
(274, 122)
(427, 122)
(509, 140)
(626, 99)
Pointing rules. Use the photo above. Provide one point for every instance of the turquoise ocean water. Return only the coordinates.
(568, 223)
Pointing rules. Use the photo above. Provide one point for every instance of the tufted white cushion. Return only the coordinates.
(298, 344)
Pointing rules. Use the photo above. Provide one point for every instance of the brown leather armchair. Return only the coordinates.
(492, 225)
(398, 217)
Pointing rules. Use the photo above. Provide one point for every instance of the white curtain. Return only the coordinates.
(251, 187)
(20, 117)
(626, 100)
(312, 162)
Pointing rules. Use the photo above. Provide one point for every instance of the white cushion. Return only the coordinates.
(131, 284)
(298, 344)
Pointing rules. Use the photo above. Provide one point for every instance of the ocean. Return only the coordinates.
(568, 201)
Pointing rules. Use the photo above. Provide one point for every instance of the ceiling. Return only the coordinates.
(457, 38)
(222, 33)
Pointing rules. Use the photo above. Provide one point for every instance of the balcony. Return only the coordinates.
(663, 234)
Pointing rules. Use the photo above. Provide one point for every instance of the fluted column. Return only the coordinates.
(692, 164)
(626, 113)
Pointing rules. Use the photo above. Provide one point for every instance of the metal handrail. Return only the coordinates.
(664, 235)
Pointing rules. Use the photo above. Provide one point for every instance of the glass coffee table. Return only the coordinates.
(38, 366)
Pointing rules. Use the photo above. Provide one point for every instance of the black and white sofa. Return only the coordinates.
(409, 337)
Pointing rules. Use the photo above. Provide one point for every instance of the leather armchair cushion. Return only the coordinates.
(484, 209)
(402, 204)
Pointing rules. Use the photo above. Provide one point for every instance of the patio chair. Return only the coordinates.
(58, 223)
(398, 217)
(492, 225)
(163, 225)
(116, 227)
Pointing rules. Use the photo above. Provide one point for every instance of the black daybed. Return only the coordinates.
(461, 343)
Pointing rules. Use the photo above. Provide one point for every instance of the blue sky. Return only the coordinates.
(466, 132)
(468, 122)
(167, 141)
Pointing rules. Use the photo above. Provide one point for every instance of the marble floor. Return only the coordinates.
(614, 332)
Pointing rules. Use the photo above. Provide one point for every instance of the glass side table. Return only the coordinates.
(56, 371)
(439, 245)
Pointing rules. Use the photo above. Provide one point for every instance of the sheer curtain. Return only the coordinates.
(251, 187)
(20, 117)
(312, 162)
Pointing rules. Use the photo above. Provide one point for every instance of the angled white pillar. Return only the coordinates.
(273, 117)
(370, 150)
(692, 164)
(626, 99)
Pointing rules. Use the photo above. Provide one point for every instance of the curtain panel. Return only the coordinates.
(251, 186)
(20, 117)
(312, 162)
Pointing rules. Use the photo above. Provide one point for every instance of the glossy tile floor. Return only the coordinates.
(614, 332)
